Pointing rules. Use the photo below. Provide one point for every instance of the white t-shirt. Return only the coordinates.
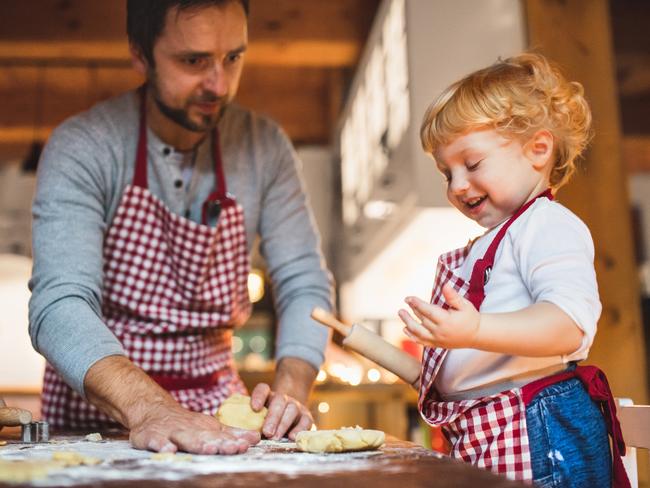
(547, 255)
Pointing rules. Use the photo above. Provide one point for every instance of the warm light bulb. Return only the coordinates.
(257, 343)
(255, 285)
(323, 407)
(373, 375)
(237, 344)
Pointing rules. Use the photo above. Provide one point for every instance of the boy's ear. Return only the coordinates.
(540, 148)
(138, 60)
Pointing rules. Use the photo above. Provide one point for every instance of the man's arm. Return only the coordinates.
(155, 420)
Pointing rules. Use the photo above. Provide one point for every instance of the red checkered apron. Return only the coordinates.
(173, 292)
(490, 432)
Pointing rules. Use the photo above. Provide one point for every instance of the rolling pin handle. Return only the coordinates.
(12, 416)
(328, 319)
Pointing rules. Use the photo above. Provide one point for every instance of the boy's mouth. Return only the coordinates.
(475, 202)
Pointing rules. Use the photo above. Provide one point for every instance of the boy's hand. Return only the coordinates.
(454, 328)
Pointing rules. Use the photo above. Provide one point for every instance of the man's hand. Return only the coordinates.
(287, 414)
(168, 428)
(156, 421)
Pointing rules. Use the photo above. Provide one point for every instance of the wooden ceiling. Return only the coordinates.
(58, 57)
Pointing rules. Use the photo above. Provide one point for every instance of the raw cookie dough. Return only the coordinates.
(236, 411)
(71, 458)
(171, 457)
(24, 471)
(341, 440)
(94, 437)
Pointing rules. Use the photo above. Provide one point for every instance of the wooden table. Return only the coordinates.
(399, 464)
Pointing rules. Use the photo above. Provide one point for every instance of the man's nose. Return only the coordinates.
(216, 80)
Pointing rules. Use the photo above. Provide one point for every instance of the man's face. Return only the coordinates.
(198, 62)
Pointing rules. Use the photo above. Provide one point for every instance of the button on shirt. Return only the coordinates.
(181, 170)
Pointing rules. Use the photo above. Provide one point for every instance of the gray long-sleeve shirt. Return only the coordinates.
(84, 168)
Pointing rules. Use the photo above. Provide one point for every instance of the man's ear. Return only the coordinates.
(138, 60)
(540, 148)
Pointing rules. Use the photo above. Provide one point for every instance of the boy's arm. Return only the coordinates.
(541, 329)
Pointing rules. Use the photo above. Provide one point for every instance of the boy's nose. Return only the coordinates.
(458, 185)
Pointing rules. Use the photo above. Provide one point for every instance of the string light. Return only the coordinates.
(255, 285)
(373, 375)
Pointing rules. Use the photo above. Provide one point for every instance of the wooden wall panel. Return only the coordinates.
(298, 98)
(282, 32)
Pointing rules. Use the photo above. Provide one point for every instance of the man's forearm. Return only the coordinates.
(123, 391)
(294, 377)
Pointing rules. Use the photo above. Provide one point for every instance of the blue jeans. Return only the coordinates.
(568, 438)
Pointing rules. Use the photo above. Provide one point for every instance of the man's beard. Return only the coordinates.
(181, 116)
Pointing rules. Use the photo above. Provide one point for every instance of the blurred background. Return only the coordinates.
(349, 81)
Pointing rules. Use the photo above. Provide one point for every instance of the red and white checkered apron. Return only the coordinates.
(490, 432)
(173, 292)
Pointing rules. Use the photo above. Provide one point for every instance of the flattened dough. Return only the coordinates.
(340, 440)
(72, 458)
(236, 411)
(24, 471)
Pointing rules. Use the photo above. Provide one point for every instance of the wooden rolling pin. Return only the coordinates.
(12, 416)
(372, 346)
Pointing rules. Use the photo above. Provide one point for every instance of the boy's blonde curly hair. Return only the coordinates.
(516, 96)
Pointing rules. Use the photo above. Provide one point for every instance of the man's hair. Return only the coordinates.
(145, 19)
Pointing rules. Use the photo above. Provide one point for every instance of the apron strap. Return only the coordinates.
(483, 266)
(218, 199)
(140, 176)
(595, 382)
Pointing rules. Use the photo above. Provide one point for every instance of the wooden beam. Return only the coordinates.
(576, 34)
(291, 53)
(297, 98)
(282, 32)
(636, 153)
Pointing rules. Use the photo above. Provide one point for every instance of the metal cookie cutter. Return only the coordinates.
(35, 432)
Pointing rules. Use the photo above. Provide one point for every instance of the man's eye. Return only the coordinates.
(195, 62)
(233, 58)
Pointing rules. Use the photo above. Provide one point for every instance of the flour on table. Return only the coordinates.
(118, 461)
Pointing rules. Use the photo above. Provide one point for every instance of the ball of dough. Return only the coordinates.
(236, 411)
(340, 440)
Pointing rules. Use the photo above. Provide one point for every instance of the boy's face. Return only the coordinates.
(489, 177)
(198, 63)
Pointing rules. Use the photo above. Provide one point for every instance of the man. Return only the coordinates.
(144, 216)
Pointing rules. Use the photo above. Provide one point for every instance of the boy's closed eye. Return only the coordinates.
(473, 166)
